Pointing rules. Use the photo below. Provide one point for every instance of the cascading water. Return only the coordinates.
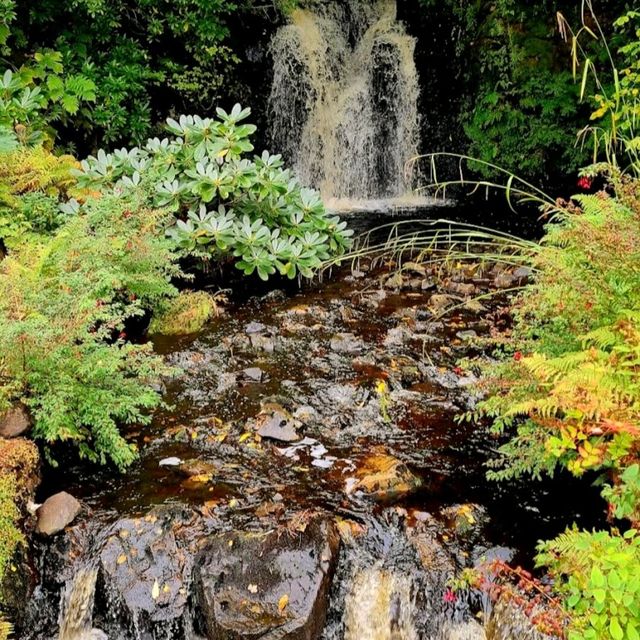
(344, 98)
(76, 612)
(380, 606)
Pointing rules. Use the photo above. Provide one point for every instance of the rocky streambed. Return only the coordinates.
(307, 479)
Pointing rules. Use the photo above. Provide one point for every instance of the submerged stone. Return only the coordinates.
(276, 426)
(346, 343)
(271, 586)
(383, 478)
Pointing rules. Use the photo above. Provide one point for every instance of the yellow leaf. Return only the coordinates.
(121, 559)
(283, 602)
(245, 436)
(155, 591)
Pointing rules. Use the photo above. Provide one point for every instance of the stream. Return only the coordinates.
(307, 479)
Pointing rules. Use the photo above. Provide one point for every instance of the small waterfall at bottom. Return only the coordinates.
(380, 606)
(390, 586)
(76, 610)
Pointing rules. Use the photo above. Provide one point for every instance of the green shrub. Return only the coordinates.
(65, 303)
(34, 185)
(38, 96)
(599, 574)
(229, 208)
(572, 394)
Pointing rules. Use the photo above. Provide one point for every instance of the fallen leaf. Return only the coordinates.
(155, 591)
(244, 436)
(283, 602)
(121, 559)
(253, 588)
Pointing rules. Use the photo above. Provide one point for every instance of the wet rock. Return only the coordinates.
(196, 468)
(383, 478)
(346, 343)
(57, 512)
(523, 274)
(254, 328)
(465, 520)
(254, 374)
(505, 281)
(170, 462)
(394, 281)
(305, 414)
(145, 572)
(465, 289)
(397, 336)
(474, 306)
(427, 285)
(263, 343)
(272, 586)
(482, 557)
(440, 301)
(507, 621)
(14, 422)
(414, 268)
(276, 424)
(226, 381)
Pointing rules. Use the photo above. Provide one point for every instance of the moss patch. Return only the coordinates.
(185, 314)
(19, 476)
(10, 535)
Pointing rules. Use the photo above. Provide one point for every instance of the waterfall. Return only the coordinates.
(380, 606)
(344, 98)
(76, 612)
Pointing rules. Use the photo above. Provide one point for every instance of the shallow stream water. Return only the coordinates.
(354, 367)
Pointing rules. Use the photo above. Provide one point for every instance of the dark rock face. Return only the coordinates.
(145, 572)
(14, 422)
(272, 587)
(56, 513)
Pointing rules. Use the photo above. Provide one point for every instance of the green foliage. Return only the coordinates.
(228, 207)
(65, 304)
(625, 495)
(34, 187)
(599, 574)
(573, 393)
(615, 121)
(519, 103)
(146, 58)
(40, 95)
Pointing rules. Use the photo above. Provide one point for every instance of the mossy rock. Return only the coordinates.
(185, 314)
(19, 477)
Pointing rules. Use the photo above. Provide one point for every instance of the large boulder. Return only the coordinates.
(14, 422)
(57, 512)
(271, 586)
